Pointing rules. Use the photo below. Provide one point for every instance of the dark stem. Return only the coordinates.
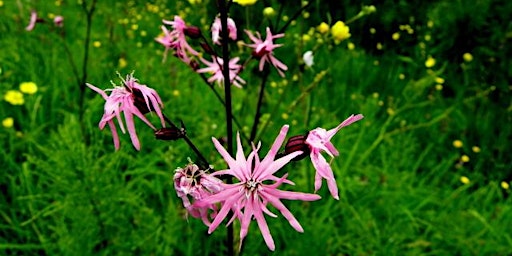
(205, 165)
(223, 10)
(258, 107)
(89, 12)
(295, 16)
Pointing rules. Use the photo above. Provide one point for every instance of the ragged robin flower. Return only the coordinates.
(215, 68)
(176, 40)
(256, 189)
(131, 99)
(264, 49)
(319, 140)
(217, 28)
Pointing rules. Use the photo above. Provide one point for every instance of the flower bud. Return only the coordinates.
(206, 47)
(297, 143)
(170, 133)
(193, 32)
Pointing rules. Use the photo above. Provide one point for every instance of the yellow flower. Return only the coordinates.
(505, 185)
(340, 31)
(1, 3)
(395, 36)
(269, 12)
(194, 1)
(14, 97)
(8, 122)
(176, 93)
(351, 46)
(430, 24)
(457, 143)
(96, 44)
(464, 158)
(306, 37)
(430, 62)
(439, 87)
(476, 149)
(373, 31)
(401, 76)
(122, 62)
(467, 57)
(245, 2)
(439, 80)
(464, 179)
(379, 46)
(28, 87)
(323, 28)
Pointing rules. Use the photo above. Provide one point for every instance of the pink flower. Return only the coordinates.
(257, 187)
(264, 50)
(58, 21)
(131, 99)
(215, 68)
(318, 140)
(176, 39)
(33, 21)
(192, 183)
(217, 28)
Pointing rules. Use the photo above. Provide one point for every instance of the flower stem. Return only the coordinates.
(258, 106)
(205, 165)
(223, 10)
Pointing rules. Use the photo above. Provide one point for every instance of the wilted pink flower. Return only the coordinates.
(192, 183)
(131, 99)
(318, 140)
(257, 187)
(58, 21)
(176, 39)
(215, 68)
(33, 21)
(217, 28)
(265, 50)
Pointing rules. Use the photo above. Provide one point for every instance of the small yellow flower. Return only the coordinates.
(306, 15)
(430, 62)
(475, 149)
(14, 97)
(176, 93)
(194, 1)
(1, 3)
(373, 31)
(340, 31)
(430, 23)
(428, 37)
(122, 62)
(135, 26)
(464, 180)
(269, 12)
(96, 44)
(390, 111)
(457, 144)
(467, 57)
(306, 38)
(439, 87)
(379, 46)
(505, 185)
(323, 28)
(245, 2)
(439, 80)
(401, 76)
(8, 122)
(143, 33)
(395, 36)
(464, 158)
(351, 46)
(285, 116)
(28, 87)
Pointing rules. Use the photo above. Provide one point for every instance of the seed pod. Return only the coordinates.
(171, 133)
(297, 143)
(193, 32)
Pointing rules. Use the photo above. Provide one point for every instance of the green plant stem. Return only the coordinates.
(88, 12)
(223, 10)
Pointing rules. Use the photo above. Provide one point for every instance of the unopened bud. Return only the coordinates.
(194, 64)
(206, 47)
(170, 133)
(193, 32)
(297, 143)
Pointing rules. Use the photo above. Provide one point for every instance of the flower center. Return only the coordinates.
(251, 185)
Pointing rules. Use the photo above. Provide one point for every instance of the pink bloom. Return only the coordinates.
(264, 50)
(131, 99)
(192, 183)
(257, 187)
(33, 21)
(176, 39)
(215, 68)
(318, 140)
(217, 28)
(58, 21)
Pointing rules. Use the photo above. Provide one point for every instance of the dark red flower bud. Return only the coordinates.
(171, 133)
(206, 47)
(297, 143)
(193, 32)
(194, 65)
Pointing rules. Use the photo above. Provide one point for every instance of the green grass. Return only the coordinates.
(65, 191)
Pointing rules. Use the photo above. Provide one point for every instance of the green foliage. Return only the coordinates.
(65, 191)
